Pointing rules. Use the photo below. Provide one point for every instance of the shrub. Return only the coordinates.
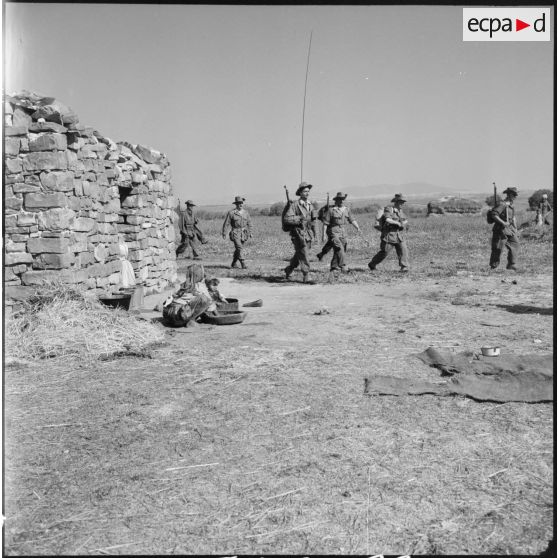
(276, 209)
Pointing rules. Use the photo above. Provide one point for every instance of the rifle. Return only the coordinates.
(287, 194)
(323, 224)
(495, 195)
(179, 212)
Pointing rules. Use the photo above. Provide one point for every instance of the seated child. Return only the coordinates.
(212, 283)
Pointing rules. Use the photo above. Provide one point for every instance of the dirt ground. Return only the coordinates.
(257, 437)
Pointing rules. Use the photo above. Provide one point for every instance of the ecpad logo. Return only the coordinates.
(506, 24)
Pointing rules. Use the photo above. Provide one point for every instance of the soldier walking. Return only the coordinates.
(328, 245)
(334, 221)
(241, 229)
(303, 232)
(504, 232)
(394, 223)
(188, 225)
(543, 209)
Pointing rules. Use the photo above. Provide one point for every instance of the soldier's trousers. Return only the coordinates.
(300, 257)
(236, 238)
(500, 242)
(188, 242)
(385, 248)
(339, 245)
(326, 248)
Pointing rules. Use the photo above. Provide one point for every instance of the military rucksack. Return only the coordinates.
(289, 218)
(379, 223)
(489, 217)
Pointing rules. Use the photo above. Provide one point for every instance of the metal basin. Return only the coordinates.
(226, 317)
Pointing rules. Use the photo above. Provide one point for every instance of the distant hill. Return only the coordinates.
(418, 192)
(409, 189)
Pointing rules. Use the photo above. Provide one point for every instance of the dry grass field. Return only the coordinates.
(257, 438)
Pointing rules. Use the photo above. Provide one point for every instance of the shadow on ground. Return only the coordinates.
(525, 309)
(267, 278)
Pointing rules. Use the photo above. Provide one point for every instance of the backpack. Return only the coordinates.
(289, 218)
(489, 218)
(379, 223)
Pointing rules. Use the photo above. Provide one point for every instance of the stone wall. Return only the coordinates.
(69, 193)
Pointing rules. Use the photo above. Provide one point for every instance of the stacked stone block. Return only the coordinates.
(70, 192)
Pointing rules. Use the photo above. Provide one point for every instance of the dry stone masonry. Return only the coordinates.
(68, 194)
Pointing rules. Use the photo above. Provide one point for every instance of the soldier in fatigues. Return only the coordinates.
(394, 223)
(241, 229)
(328, 245)
(334, 220)
(303, 233)
(504, 232)
(543, 210)
(189, 231)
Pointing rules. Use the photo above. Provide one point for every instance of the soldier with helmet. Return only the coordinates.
(543, 209)
(393, 224)
(504, 232)
(189, 231)
(302, 232)
(334, 219)
(240, 230)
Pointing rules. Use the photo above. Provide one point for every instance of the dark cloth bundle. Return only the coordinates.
(527, 378)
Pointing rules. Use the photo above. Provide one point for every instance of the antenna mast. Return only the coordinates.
(304, 108)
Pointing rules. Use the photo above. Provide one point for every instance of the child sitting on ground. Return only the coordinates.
(212, 283)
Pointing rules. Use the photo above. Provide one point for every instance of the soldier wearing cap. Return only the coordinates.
(303, 233)
(394, 223)
(504, 232)
(334, 220)
(189, 231)
(543, 209)
(241, 229)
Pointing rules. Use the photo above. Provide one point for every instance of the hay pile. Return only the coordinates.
(62, 321)
(454, 205)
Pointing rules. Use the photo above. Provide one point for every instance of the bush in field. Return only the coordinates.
(536, 198)
(490, 200)
(276, 209)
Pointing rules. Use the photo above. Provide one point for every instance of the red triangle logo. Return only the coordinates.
(519, 25)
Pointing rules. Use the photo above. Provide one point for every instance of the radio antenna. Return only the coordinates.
(304, 109)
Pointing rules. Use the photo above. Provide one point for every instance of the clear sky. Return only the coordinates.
(394, 94)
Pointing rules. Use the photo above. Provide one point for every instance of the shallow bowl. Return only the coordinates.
(490, 351)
